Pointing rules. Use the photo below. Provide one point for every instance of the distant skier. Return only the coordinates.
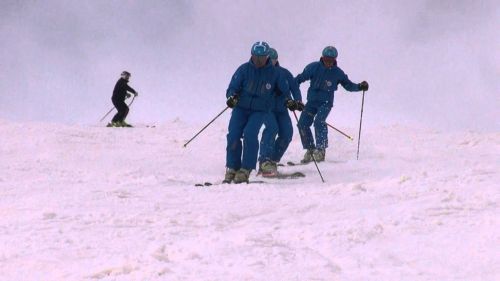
(120, 93)
(324, 76)
(278, 123)
(251, 96)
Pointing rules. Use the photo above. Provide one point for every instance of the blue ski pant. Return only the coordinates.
(314, 112)
(277, 124)
(244, 125)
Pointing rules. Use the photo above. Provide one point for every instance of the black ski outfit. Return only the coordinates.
(118, 99)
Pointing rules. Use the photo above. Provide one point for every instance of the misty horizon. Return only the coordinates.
(429, 63)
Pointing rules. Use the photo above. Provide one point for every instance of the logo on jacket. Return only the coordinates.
(329, 83)
(268, 86)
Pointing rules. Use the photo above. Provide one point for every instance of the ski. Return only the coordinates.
(140, 126)
(290, 163)
(109, 125)
(222, 183)
(281, 175)
(115, 126)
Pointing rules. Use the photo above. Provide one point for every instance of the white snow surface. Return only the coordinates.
(91, 203)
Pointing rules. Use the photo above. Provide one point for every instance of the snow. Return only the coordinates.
(83, 202)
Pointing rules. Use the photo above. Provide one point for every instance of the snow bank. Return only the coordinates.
(93, 203)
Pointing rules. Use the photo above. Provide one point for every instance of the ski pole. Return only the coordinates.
(360, 122)
(107, 114)
(206, 126)
(314, 160)
(346, 135)
(132, 101)
(114, 108)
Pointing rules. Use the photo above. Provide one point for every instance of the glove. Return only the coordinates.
(232, 101)
(300, 106)
(363, 86)
(291, 105)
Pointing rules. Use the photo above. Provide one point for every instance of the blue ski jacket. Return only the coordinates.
(324, 82)
(256, 86)
(294, 89)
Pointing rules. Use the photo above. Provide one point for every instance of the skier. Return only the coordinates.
(120, 93)
(324, 76)
(278, 123)
(251, 96)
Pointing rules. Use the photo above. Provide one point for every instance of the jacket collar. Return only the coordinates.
(323, 65)
(268, 63)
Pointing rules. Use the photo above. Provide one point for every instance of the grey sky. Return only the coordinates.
(434, 62)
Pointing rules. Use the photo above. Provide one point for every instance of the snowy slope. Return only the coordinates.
(92, 203)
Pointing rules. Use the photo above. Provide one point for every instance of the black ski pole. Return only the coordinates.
(314, 160)
(107, 114)
(360, 122)
(132, 101)
(206, 126)
(346, 135)
(114, 108)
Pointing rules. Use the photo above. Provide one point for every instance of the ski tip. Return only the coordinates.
(299, 174)
(256, 181)
(294, 175)
(204, 184)
(290, 163)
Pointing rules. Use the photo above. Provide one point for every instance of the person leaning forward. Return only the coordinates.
(251, 96)
(120, 93)
(324, 76)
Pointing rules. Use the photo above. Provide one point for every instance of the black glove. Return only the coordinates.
(363, 86)
(232, 101)
(291, 105)
(300, 106)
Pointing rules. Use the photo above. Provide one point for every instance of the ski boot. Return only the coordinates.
(241, 175)
(229, 176)
(125, 124)
(268, 169)
(308, 156)
(114, 124)
(319, 155)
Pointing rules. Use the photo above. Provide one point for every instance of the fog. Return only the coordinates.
(434, 63)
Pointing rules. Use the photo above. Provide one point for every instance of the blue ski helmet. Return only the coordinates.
(330, 51)
(260, 48)
(273, 54)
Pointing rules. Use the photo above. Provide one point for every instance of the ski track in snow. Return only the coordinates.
(92, 203)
